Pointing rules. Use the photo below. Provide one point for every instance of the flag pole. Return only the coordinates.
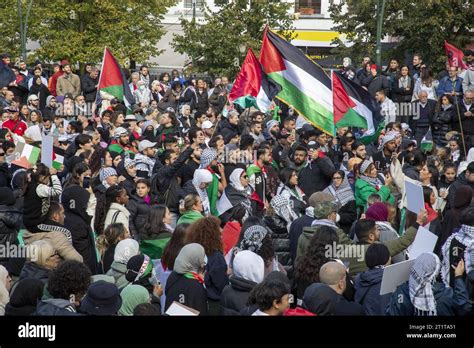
(460, 124)
(97, 95)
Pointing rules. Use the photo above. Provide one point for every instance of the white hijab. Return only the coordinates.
(125, 249)
(4, 295)
(235, 179)
(202, 176)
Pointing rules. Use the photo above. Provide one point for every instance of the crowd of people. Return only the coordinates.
(180, 198)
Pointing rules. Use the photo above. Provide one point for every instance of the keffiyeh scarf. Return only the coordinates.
(420, 283)
(465, 236)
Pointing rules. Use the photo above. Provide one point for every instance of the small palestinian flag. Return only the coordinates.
(28, 157)
(58, 161)
(252, 87)
(427, 141)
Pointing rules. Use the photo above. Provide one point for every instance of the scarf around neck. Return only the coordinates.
(465, 236)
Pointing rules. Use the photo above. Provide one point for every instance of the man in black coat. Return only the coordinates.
(317, 172)
(89, 84)
(333, 274)
(424, 111)
(375, 81)
(466, 113)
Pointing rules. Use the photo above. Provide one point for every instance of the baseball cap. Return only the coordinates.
(130, 118)
(207, 125)
(120, 131)
(145, 144)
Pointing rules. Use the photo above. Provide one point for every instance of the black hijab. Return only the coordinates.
(25, 297)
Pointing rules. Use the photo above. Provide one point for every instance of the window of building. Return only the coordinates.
(189, 3)
(308, 7)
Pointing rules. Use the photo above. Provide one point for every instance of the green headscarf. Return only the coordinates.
(133, 295)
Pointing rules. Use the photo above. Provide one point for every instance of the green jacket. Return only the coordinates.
(308, 232)
(346, 248)
(154, 247)
(189, 217)
(363, 190)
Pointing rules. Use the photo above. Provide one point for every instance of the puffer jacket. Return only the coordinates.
(11, 220)
(139, 211)
(35, 271)
(235, 295)
(367, 292)
(118, 270)
(281, 241)
(442, 124)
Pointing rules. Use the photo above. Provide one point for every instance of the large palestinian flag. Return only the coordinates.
(252, 87)
(112, 81)
(304, 84)
(355, 107)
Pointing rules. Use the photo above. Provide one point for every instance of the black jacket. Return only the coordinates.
(235, 295)
(165, 183)
(460, 181)
(216, 275)
(431, 105)
(348, 214)
(442, 124)
(367, 292)
(466, 122)
(376, 83)
(35, 271)
(316, 176)
(296, 229)
(189, 292)
(411, 171)
(401, 95)
(139, 212)
(11, 220)
(281, 241)
(227, 130)
(202, 102)
(88, 87)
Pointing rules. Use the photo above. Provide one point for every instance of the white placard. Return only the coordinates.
(47, 151)
(395, 275)
(177, 308)
(424, 242)
(415, 201)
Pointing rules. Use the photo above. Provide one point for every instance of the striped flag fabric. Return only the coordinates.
(28, 157)
(58, 161)
(112, 81)
(355, 107)
(304, 84)
(252, 87)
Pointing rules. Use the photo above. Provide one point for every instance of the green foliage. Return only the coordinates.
(421, 26)
(79, 30)
(220, 43)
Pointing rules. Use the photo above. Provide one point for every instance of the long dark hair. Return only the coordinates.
(174, 246)
(97, 160)
(427, 191)
(285, 175)
(154, 225)
(34, 174)
(79, 169)
(110, 197)
(434, 175)
(308, 265)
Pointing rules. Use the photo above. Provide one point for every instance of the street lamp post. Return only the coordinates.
(378, 49)
(24, 26)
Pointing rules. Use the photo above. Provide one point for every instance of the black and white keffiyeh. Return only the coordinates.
(420, 283)
(253, 238)
(208, 155)
(343, 193)
(283, 208)
(465, 236)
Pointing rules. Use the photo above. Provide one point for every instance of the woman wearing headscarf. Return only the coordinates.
(289, 189)
(279, 223)
(77, 220)
(368, 183)
(201, 180)
(186, 283)
(248, 269)
(422, 295)
(24, 297)
(378, 212)
(341, 190)
(257, 238)
(235, 194)
(124, 250)
(462, 201)
(132, 296)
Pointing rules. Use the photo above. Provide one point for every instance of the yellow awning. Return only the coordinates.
(325, 36)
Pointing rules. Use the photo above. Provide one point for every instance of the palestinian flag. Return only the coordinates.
(112, 81)
(252, 87)
(58, 160)
(304, 84)
(427, 141)
(28, 157)
(355, 107)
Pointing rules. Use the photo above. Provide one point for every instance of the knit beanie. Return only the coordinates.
(377, 212)
(377, 254)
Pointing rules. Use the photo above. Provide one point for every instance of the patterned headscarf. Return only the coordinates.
(253, 238)
(207, 156)
(282, 207)
(465, 236)
(420, 283)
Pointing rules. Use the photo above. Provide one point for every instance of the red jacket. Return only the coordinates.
(19, 124)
